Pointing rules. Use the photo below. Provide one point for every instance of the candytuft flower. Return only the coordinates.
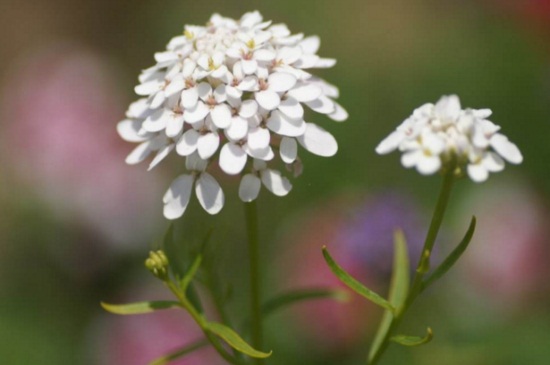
(232, 91)
(436, 137)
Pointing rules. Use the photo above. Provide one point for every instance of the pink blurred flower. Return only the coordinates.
(535, 12)
(507, 261)
(59, 106)
(139, 339)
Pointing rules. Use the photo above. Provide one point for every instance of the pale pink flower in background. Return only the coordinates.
(507, 261)
(56, 106)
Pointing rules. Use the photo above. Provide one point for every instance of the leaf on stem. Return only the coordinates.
(190, 274)
(140, 307)
(179, 353)
(413, 340)
(234, 340)
(399, 289)
(293, 297)
(453, 256)
(355, 285)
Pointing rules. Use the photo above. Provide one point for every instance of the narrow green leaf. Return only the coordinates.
(413, 340)
(139, 308)
(190, 274)
(179, 353)
(234, 340)
(354, 284)
(297, 296)
(453, 256)
(399, 288)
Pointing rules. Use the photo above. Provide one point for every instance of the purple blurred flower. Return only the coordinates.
(57, 106)
(361, 240)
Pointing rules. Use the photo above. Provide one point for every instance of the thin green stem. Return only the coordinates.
(423, 262)
(251, 215)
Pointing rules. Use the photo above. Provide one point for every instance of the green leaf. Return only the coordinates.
(234, 340)
(194, 298)
(413, 340)
(354, 284)
(297, 296)
(453, 256)
(399, 289)
(179, 353)
(188, 278)
(139, 308)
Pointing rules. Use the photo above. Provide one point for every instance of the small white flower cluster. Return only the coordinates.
(237, 83)
(435, 135)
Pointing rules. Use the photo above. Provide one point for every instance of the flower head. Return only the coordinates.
(232, 91)
(441, 136)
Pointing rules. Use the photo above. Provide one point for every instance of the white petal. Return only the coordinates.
(291, 108)
(221, 116)
(188, 143)
(268, 99)
(175, 86)
(238, 129)
(264, 55)
(249, 83)
(318, 141)
(167, 56)
(140, 153)
(197, 113)
(288, 150)
(428, 164)
(249, 188)
(205, 90)
(323, 105)
(157, 121)
(307, 61)
(325, 63)
(177, 197)
(209, 193)
(149, 87)
(161, 155)
(249, 66)
(232, 159)
(189, 97)
(289, 55)
(194, 162)
(265, 154)
(175, 125)
(157, 100)
(285, 126)
(258, 138)
(275, 182)
(477, 172)
(281, 81)
(207, 145)
(310, 44)
(390, 143)
(188, 67)
(306, 92)
(506, 149)
(138, 109)
(493, 162)
(220, 95)
(410, 159)
(248, 108)
(129, 129)
(340, 114)
(448, 107)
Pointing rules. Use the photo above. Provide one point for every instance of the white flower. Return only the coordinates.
(435, 136)
(232, 91)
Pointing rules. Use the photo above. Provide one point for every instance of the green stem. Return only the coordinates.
(255, 294)
(423, 262)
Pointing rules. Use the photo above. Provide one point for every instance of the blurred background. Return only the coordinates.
(77, 222)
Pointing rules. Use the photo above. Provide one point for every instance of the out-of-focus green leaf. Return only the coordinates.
(194, 298)
(399, 289)
(139, 308)
(234, 340)
(355, 285)
(188, 278)
(297, 296)
(179, 353)
(413, 340)
(453, 256)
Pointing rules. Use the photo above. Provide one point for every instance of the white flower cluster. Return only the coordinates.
(241, 84)
(435, 135)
